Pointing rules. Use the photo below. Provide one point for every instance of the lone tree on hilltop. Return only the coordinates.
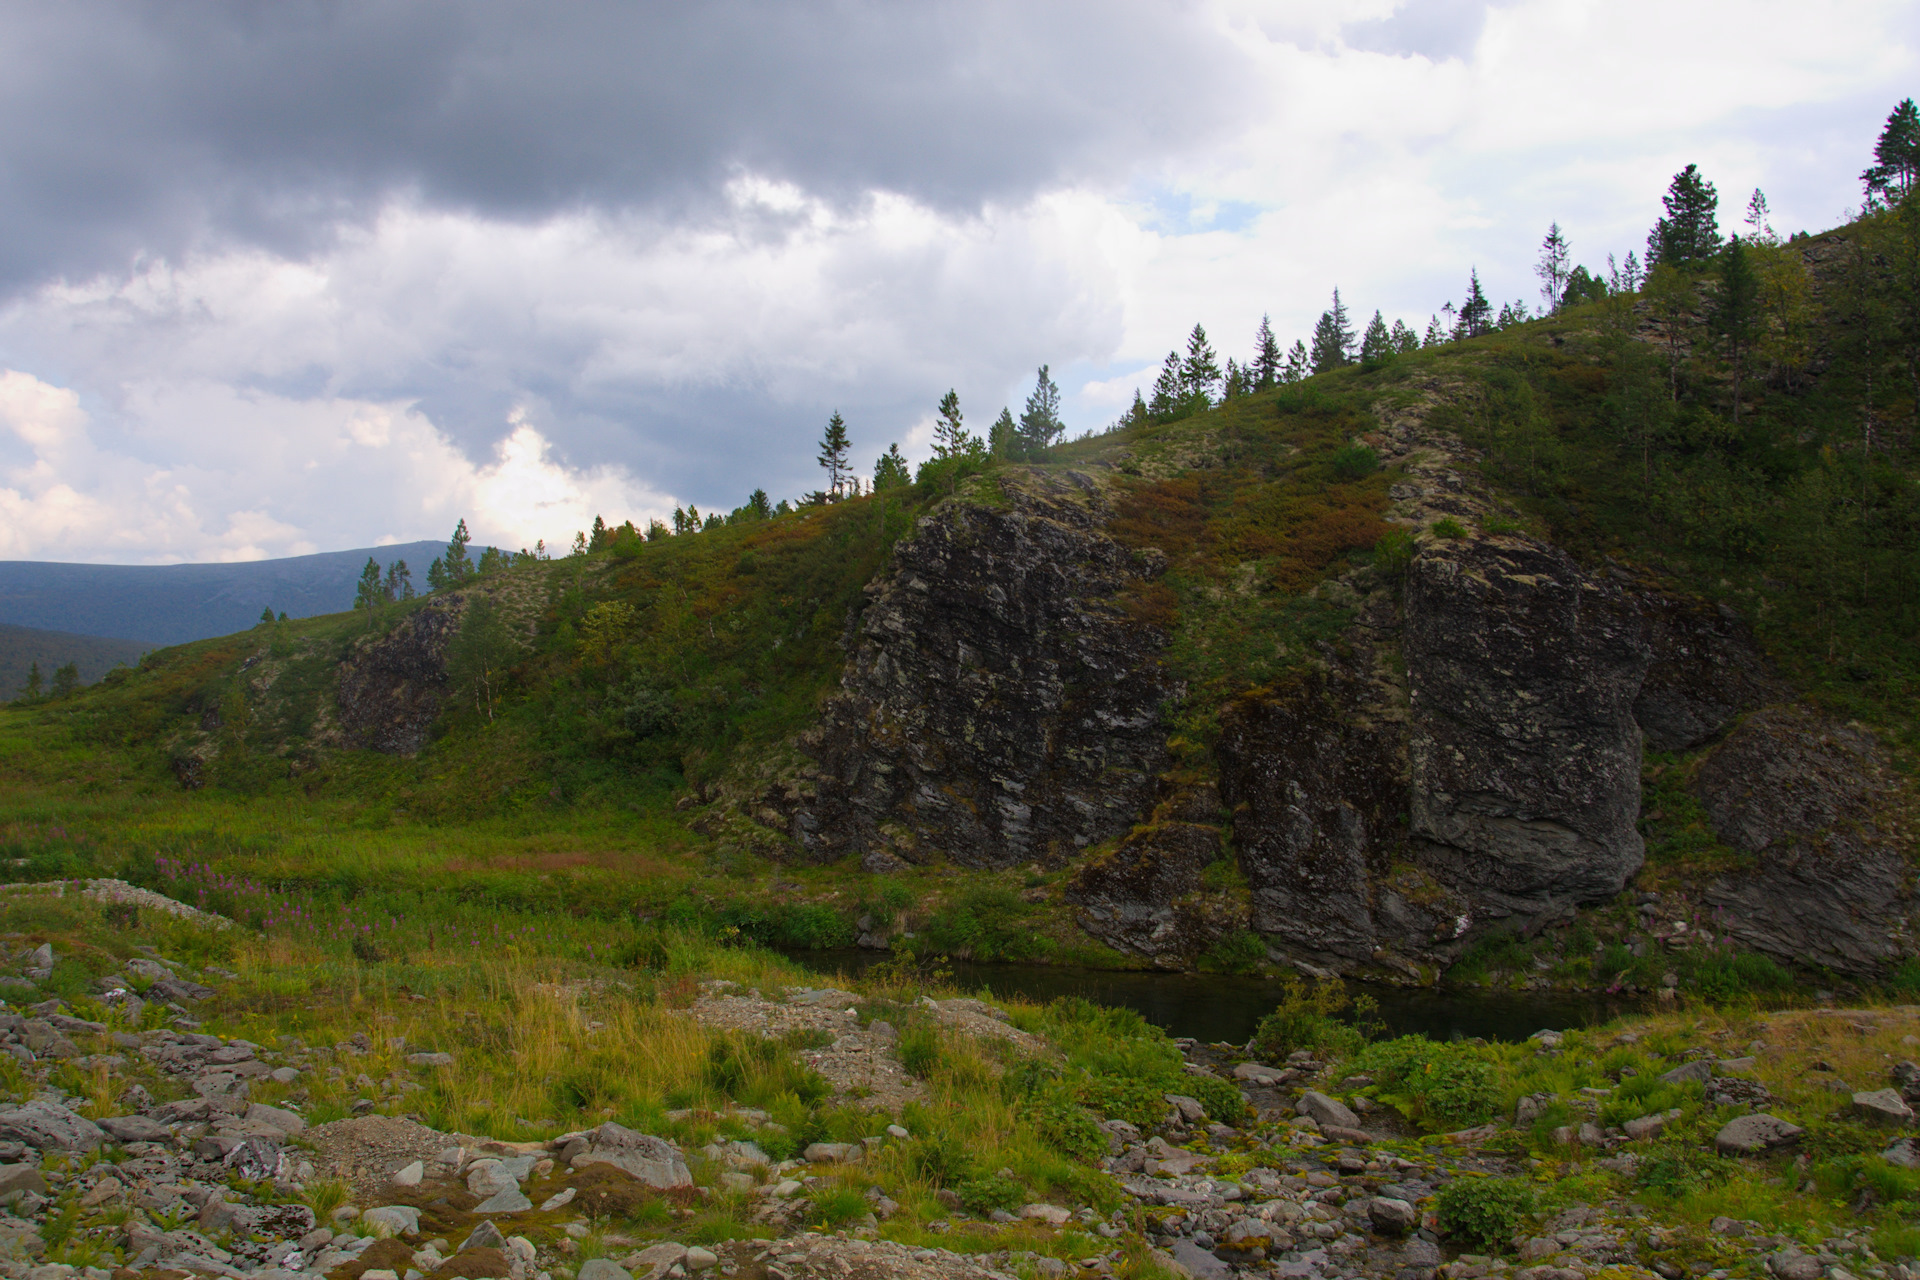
(834, 448)
(1690, 233)
(458, 567)
(949, 428)
(1552, 267)
(1476, 313)
(1040, 423)
(1895, 171)
(1200, 371)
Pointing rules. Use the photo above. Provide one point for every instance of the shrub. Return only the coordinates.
(1393, 552)
(1448, 527)
(1906, 978)
(1445, 1086)
(1725, 976)
(1064, 1125)
(1304, 1020)
(938, 1155)
(1675, 1168)
(831, 1208)
(1221, 1098)
(1354, 462)
(1142, 1103)
(1241, 951)
(1483, 1213)
(984, 1195)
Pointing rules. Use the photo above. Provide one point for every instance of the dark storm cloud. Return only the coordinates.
(128, 129)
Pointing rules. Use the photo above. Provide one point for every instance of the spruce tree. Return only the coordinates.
(1895, 171)
(1298, 365)
(1403, 337)
(1266, 356)
(1376, 345)
(1004, 440)
(679, 520)
(458, 567)
(399, 583)
(834, 447)
(66, 679)
(1735, 314)
(891, 471)
(436, 574)
(1436, 333)
(35, 684)
(1332, 337)
(759, 504)
(656, 530)
(266, 614)
(598, 540)
(1476, 314)
(1200, 371)
(1166, 402)
(367, 593)
(1552, 267)
(949, 428)
(1689, 234)
(1040, 423)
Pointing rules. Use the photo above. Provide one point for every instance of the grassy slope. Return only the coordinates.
(653, 669)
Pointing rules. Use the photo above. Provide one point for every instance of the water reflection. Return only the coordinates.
(1215, 1007)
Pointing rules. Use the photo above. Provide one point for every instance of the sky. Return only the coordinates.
(295, 276)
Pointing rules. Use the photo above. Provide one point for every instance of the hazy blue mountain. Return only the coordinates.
(174, 603)
(21, 647)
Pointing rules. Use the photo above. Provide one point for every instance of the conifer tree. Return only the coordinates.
(367, 594)
(1040, 423)
(1735, 314)
(1476, 314)
(759, 504)
(1004, 439)
(1895, 171)
(1759, 228)
(579, 547)
(266, 614)
(656, 530)
(679, 521)
(492, 560)
(834, 446)
(1376, 345)
(1403, 337)
(1230, 384)
(1200, 371)
(1690, 233)
(399, 583)
(1436, 333)
(891, 471)
(949, 428)
(597, 541)
(436, 574)
(694, 522)
(458, 567)
(1298, 365)
(66, 679)
(1266, 356)
(1552, 267)
(1332, 337)
(1167, 396)
(35, 683)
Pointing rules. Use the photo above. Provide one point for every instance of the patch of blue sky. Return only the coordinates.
(1180, 213)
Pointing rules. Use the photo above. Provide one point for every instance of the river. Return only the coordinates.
(1215, 1007)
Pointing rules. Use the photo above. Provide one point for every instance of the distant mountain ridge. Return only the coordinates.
(175, 603)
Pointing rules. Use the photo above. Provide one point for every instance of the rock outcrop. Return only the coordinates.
(1523, 751)
(392, 686)
(1001, 705)
(1704, 671)
(1146, 897)
(1818, 808)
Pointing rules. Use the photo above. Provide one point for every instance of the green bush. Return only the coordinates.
(1443, 1086)
(1304, 1020)
(1142, 1103)
(831, 1208)
(1065, 1125)
(984, 1195)
(987, 923)
(1905, 980)
(1447, 527)
(1393, 552)
(1355, 462)
(1726, 976)
(1483, 1213)
(1221, 1098)
(937, 1155)
(1241, 951)
(1676, 1168)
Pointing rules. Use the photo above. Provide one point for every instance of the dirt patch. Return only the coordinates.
(368, 1150)
(381, 1255)
(474, 1264)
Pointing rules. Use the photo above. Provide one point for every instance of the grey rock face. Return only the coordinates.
(391, 687)
(1524, 754)
(1705, 670)
(1140, 898)
(1000, 705)
(1809, 800)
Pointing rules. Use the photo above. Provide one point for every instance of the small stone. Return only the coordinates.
(1794, 1266)
(1699, 1071)
(655, 1259)
(284, 1075)
(1747, 1135)
(279, 1117)
(1191, 1110)
(559, 1200)
(485, 1236)
(734, 1180)
(896, 1132)
(1327, 1111)
(506, 1200)
(411, 1175)
(1391, 1216)
(430, 1059)
(699, 1259)
(602, 1269)
(1905, 1153)
(1051, 1214)
(831, 1152)
(1884, 1107)
(395, 1219)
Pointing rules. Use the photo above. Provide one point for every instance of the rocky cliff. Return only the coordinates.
(391, 686)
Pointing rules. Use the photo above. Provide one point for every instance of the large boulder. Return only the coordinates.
(1750, 1135)
(654, 1161)
(1524, 755)
(1816, 804)
(50, 1127)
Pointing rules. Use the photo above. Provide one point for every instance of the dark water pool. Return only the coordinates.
(1214, 1007)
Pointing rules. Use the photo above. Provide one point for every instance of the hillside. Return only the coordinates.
(21, 648)
(1549, 657)
(175, 603)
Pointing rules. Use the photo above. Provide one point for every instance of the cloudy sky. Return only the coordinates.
(298, 276)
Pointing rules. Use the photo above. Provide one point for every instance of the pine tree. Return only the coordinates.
(1376, 345)
(266, 614)
(1552, 267)
(1136, 416)
(399, 583)
(1167, 398)
(679, 520)
(833, 455)
(492, 560)
(1266, 356)
(1230, 385)
(1040, 423)
(1436, 333)
(949, 429)
(1895, 171)
(598, 540)
(436, 574)
(1403, 337)
(1200, 371)
(1476, 314)
(458, 567)
(1759, 228)
(34, 685)
(1690, 233)
(1004, 438)
(66, 679)
(1297, 365)
(656, 530)
(367, 594)
(1332, 337)
(1735, 314)
(758, 503)
(891, 471)
(579, 547)
(694, 522)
